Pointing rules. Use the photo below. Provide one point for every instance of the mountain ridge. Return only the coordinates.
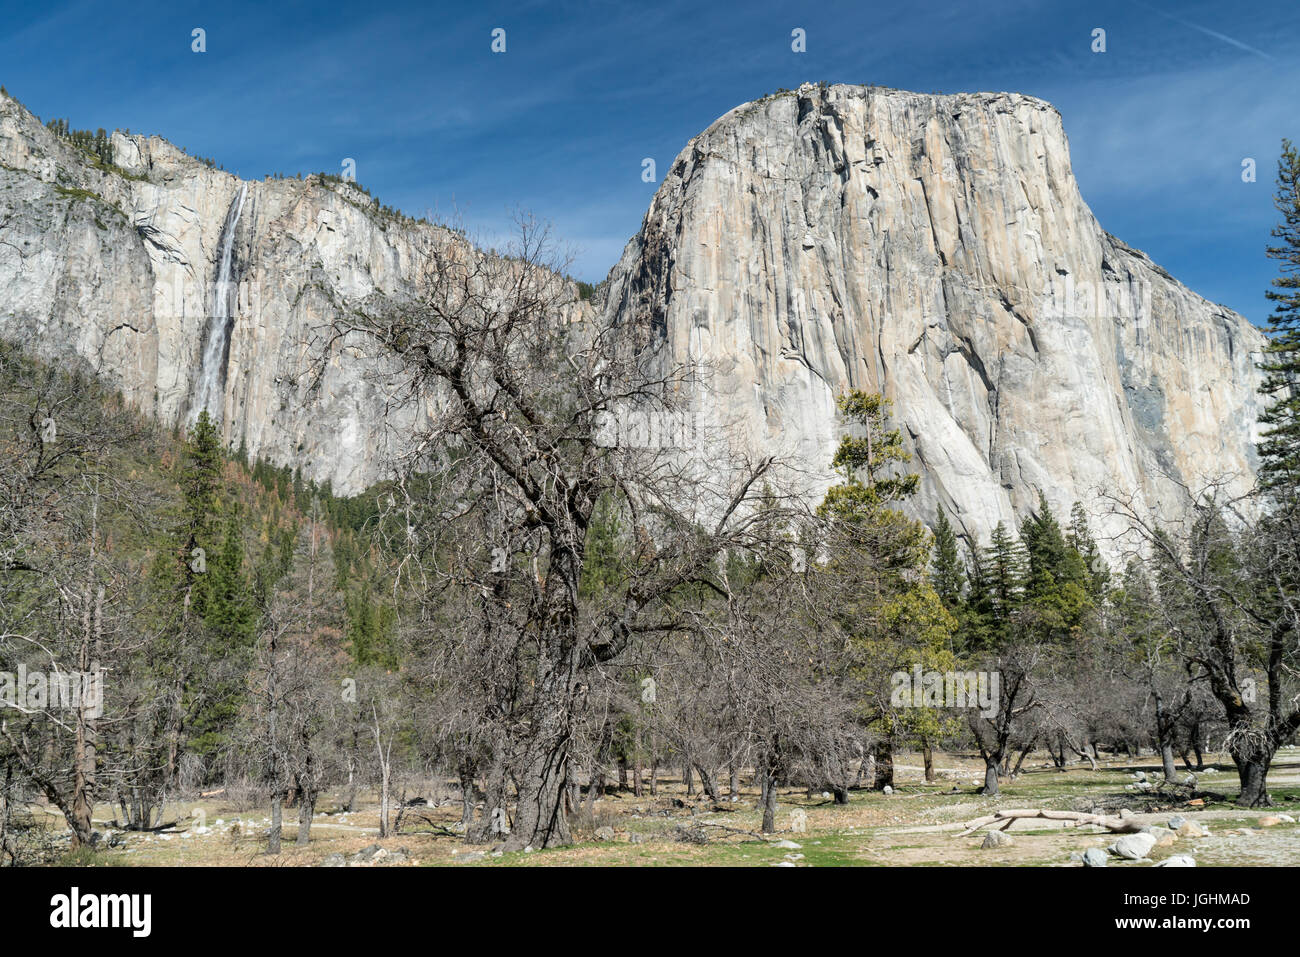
(829, 237)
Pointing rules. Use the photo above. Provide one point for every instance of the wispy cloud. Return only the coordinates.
(1207, 31)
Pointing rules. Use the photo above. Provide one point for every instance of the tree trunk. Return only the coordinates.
(708, 783)
(541, 770)
(277, 820)
(539, 818)
(273, 771)
(306, 808)
(573, 793)
(767, 794)
(350, 802)
(1020, 761)
(466, 776)
(1252, 771)
(927, 758)
(595, 789)
(991, 777)
(884, 755)
(1167, 761)
(83, 756)
(383, 799)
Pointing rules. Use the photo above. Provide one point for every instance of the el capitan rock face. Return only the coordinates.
(934, 248)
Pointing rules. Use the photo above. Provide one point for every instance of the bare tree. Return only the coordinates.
(523, 391)
(1227, 594)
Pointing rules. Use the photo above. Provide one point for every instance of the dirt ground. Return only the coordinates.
(917, 825)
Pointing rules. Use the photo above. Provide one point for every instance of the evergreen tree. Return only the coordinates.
(1081, 540)
(1058, 581)
(1279, 449)
(200, 488)
(230, 613)
(865, 460)
(863, 499)
(1005, 562)
(947, 570)
(997, 587)
(229, 630)
(602, 570)
(1045, 550)
(895, 618)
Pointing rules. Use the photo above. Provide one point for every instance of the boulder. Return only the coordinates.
(996, 839)
(372, 854)
(1133, 847)
(1094, 857)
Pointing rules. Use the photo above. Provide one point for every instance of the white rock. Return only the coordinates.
(1133, 847)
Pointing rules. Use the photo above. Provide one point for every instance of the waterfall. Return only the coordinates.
(208, 390)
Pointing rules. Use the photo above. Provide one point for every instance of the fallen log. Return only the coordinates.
(1118, 825)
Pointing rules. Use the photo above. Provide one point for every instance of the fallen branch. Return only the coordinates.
(1119, 825)
(695, 832)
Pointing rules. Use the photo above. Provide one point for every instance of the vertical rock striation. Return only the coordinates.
(936, 249)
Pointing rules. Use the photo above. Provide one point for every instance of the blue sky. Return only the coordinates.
(559, 123)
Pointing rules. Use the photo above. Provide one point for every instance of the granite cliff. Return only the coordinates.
(936, 249)
(933, 248)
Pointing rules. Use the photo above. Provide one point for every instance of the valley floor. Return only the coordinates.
(917, 825)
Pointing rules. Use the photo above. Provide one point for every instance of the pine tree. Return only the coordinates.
(1053, 562)
(947, 570)
(1002, 571)
(602, 569)
(1279, 449)
(230, 613)
(863, 499)
(1081, 540)
(896, 620)
(200, 483)
(865, 460)
(229, 629)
